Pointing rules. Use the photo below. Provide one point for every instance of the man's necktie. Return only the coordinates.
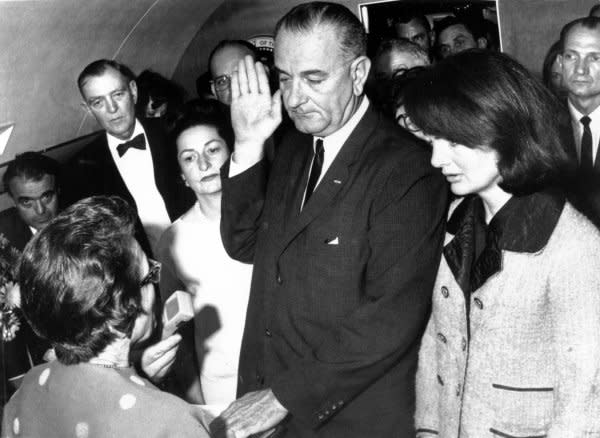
(587, 156)
(315, 170)
(137, 142)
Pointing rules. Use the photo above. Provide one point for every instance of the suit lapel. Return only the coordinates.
(332, 182)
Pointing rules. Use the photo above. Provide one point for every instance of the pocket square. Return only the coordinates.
(334, 241)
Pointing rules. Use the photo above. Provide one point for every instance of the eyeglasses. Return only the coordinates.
(222, 82)
(153, 275)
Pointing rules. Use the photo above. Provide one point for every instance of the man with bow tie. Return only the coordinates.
(131, 158)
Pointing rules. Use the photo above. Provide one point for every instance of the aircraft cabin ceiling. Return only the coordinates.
(46, 43)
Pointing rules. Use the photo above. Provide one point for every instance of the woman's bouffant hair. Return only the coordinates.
(80, 278)
(485, 99)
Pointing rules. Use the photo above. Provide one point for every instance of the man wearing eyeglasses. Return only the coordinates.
(222, 61)
(345, 231)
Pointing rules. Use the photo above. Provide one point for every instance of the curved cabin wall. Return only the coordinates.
(528, 28)
(45, 44)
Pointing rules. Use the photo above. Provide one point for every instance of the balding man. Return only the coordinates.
(345, 232)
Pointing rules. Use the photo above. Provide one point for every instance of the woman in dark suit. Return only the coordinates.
(88, 288)
(512, 347)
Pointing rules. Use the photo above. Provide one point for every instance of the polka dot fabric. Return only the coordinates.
(89, 401)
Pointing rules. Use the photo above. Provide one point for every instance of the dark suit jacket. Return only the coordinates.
(341, 290)
(93, 172)
(16, 355)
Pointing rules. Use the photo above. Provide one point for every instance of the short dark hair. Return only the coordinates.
(97, 68)
(451, 20)
(480, 99)
(80, 278)
(589, 22)
(31, 165)
(242, 44)
(306, 16)
(205, 112)
(407, 17)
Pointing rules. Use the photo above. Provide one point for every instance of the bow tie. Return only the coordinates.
(137, 142)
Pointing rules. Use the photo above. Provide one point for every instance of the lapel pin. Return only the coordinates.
(337, 181)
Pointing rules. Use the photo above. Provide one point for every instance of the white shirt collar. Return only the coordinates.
(113, 141)
(339, 137)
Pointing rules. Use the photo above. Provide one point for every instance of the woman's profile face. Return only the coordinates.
(467, 170)
(201, 152)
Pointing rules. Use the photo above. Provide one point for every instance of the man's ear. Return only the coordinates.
(482, 42)
(85, 107)
(359, 71)
(134, 91)
(559, 59)
(213, 90)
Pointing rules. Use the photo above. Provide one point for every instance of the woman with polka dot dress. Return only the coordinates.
(88, 288)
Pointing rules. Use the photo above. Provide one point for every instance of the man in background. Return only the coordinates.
(131, 158)
(580, 63)
(415, 28)
(31, 180)
(223, 61)
(455, 35)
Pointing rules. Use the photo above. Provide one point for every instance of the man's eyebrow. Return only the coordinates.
(315, 71)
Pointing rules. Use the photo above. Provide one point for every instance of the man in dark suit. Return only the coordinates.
(580, 40)
(345, 232)
(132, 159)
(31, 180)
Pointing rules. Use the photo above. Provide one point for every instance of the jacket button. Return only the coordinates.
(445, 292)
(442, 338)
(464, 344)
(260, 379)
(478, 303)
(279, 279)
(321, 416)
(326, 412)
(268, 333)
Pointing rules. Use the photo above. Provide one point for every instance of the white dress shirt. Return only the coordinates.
(137, 170)
(578, 129)
(332, 144)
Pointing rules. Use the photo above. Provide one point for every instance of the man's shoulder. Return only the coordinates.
(95, 150)
(13, 228)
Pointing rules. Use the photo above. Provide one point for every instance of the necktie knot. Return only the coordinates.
(585, 121)
(137, 142)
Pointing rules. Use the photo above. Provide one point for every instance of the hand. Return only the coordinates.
(158, 359)
(255, 412)
(255, 114)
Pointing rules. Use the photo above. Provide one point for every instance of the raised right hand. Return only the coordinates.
(255, 114)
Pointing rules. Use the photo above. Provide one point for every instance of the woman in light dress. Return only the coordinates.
(192, 253)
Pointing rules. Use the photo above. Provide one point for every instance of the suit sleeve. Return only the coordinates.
(241, 209)
(406, 226)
